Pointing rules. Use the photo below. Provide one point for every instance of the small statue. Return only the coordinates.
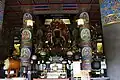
(39, 38)
(15, 53)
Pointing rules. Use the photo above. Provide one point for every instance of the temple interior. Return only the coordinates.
(52, 40)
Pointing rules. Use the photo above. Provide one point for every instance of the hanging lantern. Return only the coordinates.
(80, 21)
(29, 22)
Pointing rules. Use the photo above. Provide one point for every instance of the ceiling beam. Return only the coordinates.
(48, 4)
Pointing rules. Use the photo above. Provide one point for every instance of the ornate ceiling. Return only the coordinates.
(15, 8)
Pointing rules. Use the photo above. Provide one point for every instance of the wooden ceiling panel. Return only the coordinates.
(40, 1)
(16, 8)
(94, 15)
(85, 1)
(25, 1)
(95, 1)
(95, 7)
(71, 1)
(55, 1)
(12, 16)
(16, 22)
(13, 12)
(13, 19)
(7, 8)
(84, 7)
(10, 2)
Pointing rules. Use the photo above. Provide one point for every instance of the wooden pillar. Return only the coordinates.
(2, 6)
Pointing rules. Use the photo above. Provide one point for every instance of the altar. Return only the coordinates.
(17, 78)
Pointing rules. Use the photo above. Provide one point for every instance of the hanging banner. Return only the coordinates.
(85, 42)
(25, 53)
(26, 35)
(86, 58)
(85, 34)
(86, 53)
(26, 39)
(85, 16)
(27, 16)
(86, 65)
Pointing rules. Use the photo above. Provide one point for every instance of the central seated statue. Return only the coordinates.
(58, 40)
